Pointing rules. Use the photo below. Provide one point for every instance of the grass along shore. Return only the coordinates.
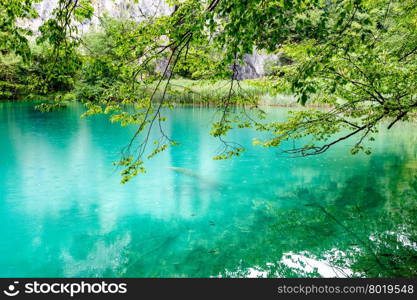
(201, 93)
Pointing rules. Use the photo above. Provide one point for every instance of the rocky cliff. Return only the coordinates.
(126, 9)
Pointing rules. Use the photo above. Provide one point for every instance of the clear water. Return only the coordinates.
(64, 213)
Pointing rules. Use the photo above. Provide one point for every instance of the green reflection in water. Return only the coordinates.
(63, 212)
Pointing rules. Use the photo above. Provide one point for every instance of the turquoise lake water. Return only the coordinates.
(63, 211)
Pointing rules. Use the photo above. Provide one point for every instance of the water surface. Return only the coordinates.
(64, 213)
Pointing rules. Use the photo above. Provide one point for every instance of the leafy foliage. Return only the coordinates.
(358, 57)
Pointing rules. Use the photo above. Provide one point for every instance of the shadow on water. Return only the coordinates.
(358, 231)
(367, 228)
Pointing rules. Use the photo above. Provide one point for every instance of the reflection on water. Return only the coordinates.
(64, 213)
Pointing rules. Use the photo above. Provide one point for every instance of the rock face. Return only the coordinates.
(254, 65)
(161, 65)
(126, 9)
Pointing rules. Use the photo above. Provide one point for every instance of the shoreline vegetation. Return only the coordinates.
(187, 92)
